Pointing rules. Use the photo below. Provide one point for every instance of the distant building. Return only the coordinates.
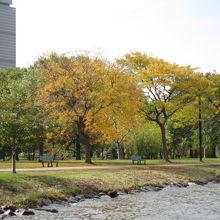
(7, 34)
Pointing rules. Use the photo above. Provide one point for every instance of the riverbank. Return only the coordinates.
(171, 202)
(30, 189)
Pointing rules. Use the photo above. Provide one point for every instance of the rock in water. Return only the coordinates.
(46, 202)
(113, 194)
(47, 210)
(102, 194)
(53, 210)
(27, 212)
(72, 200)
(9, 213)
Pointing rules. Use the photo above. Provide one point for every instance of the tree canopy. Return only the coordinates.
(79, 105)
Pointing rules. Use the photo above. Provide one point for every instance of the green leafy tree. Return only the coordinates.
(164, 85)
(16, 109)
(146, 139)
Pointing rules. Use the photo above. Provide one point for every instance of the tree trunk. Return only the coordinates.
(88, 149)
(17, 154)
(78, 148)
(88, 154)
(28, 155)
(113, 154)
(191, 152)
(14, 160)
(164, 142)
(216, 152)
(118, 149)
(214, 149)
(40, 149)
(102, 153)
(122, 153)
(196, 154)
(98, 154)
(213, 152)
(33, 153)
(173, 152)
(3, 154)
(83, 133)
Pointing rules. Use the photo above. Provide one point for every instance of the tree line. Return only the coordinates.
(82, 106)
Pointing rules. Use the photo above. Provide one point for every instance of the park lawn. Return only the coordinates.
(27, 189)
(98, 162)
(36, 164)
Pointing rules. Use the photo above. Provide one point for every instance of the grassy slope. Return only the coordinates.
(27, 188)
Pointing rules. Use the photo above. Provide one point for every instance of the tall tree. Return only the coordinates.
(200, 108)
(164, 85)
(16, 108)
(77, 90)
(212, 124)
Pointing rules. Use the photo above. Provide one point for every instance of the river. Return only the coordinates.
(195, 202)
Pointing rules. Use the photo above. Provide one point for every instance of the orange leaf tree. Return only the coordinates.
(78, 90)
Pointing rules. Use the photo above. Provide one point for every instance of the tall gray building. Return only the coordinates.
(7, 34)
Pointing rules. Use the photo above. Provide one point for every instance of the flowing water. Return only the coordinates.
(172, 203)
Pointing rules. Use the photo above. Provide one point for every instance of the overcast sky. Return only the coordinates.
(186, 32)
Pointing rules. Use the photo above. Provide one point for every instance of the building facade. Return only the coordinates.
(7, 34)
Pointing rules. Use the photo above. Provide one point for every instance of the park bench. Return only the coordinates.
(49, 159)
(138, 159)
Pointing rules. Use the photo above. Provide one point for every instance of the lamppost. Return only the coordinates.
(200, 128)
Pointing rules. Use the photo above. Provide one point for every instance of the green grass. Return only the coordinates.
(27, 189)
(98, 162)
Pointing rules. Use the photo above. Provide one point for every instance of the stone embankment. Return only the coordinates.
(7, 211)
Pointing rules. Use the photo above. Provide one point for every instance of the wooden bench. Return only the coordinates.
(49, 159)
(138, 159)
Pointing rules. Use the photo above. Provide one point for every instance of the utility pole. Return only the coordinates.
(200, 129)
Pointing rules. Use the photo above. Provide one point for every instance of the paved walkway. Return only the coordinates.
(68, 168)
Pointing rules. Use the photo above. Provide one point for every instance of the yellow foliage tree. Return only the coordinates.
(78, 90)
(117, 124)
(164, 85)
